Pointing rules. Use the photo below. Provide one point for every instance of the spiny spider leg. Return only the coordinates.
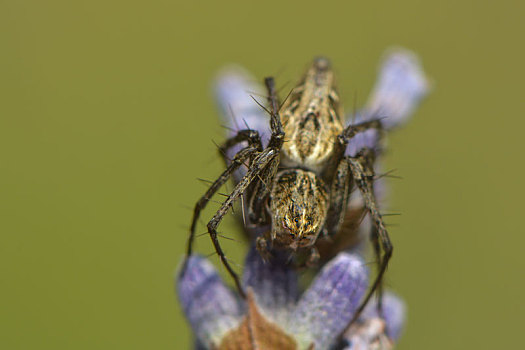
(374, 237)
(343, 139)
(354, 129)
(341, 178)
(363, 174)
(258, 165)
(275, 120)
(261, 189)
(238, 160)
(254, 143)
(267, 157)
(251, 136)
(260, 162)
(339, 197)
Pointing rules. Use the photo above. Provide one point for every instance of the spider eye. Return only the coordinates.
(309, 221)
(296, 220)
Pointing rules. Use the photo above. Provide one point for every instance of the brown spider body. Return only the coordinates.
(297, 186)
(299, 198)
(300, 183)
(311, 118)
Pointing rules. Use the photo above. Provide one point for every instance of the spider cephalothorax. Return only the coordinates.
(299, 203)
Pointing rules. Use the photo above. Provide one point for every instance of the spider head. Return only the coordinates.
(299, 204)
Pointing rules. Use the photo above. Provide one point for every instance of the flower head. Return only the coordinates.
(276, 315)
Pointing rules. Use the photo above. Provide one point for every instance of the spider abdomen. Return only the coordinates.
(311, 118)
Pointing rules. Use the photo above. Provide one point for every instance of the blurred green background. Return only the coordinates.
(106, 120)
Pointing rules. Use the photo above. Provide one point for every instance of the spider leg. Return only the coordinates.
(276, 126)
(265, 162)
(259, 163)
(341, 177)
(374, 238)
(339, 197)
(351, 130)
(342, 142)
(363, 174)
(262, 162)
(238, 160)
(245, 135)
(261, 189)
(254, 144)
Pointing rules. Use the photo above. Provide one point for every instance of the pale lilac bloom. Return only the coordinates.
(211, 308)
(316, 316)
(235, 90)
(399, 88)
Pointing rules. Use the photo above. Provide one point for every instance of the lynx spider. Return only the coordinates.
(300, 185)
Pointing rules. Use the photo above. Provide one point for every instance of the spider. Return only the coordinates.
(300, 183)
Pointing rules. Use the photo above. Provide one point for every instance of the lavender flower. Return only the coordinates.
(399, 88)
(277, 316)
(235, 90)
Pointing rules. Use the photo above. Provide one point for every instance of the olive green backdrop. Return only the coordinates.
(106, 120)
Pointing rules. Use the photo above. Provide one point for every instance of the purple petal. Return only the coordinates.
(328, 305)
(274, 284)
(400, 87)
(234, 88)
(394, 313)
(210, 307)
